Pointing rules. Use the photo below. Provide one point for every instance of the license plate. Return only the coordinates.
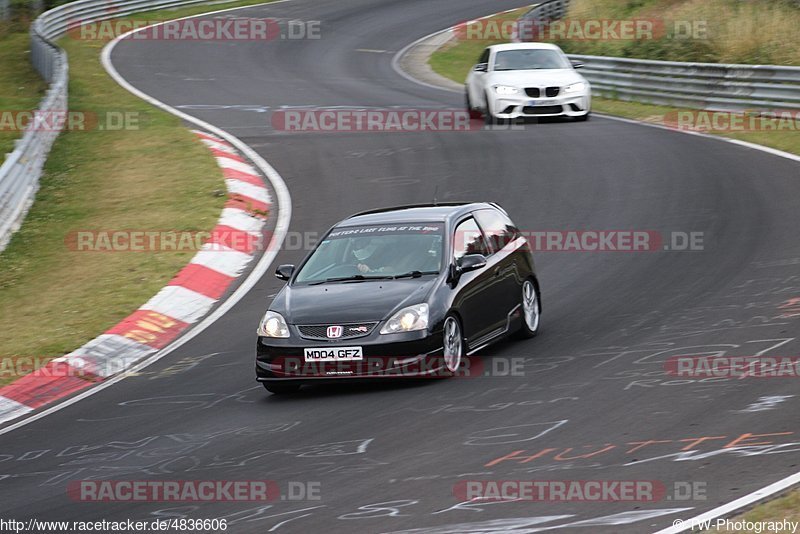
(333, 354)
(535, 103)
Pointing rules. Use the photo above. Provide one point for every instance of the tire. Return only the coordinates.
(281, 389)
(531, 310)
(453, 345)
(473, 113)
(488, 118)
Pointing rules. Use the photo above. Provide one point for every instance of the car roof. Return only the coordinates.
(523, 46)
(441, 212)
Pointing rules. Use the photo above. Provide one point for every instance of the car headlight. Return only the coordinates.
(273, 325)
(575, 87)
(407, 320)
(505, 90)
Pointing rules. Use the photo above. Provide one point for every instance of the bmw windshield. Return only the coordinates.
(530, 59)
(375, 252)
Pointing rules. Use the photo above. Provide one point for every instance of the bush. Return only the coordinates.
(671, 50)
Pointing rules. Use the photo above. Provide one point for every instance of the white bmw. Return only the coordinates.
(527, 80)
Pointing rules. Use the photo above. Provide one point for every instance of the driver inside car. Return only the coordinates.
(372, 258)
(366, 249)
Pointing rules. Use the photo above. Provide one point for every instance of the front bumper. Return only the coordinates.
(405, 355)
(514, 106)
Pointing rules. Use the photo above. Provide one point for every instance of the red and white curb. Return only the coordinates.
(187, 298)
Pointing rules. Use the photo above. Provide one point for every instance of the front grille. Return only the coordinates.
(349, 331)
(532, 92)
(550, 92)
(542, 110)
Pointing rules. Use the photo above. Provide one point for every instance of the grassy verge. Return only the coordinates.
(787, 507)
(153, 175)
(21, 88)
(455, 59)
(728, 31)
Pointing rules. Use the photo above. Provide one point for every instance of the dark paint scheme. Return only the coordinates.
(487, 302)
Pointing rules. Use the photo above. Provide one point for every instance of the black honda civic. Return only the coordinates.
(399, 292)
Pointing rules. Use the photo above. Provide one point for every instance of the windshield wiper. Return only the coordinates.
(414, 274)
(354, 278)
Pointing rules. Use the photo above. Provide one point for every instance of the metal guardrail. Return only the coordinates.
(22, 168)
(552, 10)
(694, 85)
(719, 86)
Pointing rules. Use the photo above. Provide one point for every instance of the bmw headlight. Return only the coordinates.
(575, 87)
(273, 325)
(505, 90)
(407, 320)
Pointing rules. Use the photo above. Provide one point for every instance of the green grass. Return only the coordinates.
(763, 32)
(787, 507)
(156, 177)
(21, 88)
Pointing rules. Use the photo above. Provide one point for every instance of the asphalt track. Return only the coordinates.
(388, 456)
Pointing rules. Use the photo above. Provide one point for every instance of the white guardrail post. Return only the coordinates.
(717, 86)
(20, 172)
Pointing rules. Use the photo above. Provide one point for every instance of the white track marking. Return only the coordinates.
(238, 187)
(241, 220)
(231, 263)
(10, 408)
(236, 165)
(107, 354)
(180, 303)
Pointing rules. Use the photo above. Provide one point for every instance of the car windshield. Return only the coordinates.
(376, 252)
(530, 59)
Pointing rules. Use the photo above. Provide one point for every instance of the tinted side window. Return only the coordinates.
(498, 228)
(468, 239)
(484, 57)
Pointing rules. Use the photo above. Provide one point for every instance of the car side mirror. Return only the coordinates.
(481, 67)
(577, 65)
(472, 262)
(284, 272)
